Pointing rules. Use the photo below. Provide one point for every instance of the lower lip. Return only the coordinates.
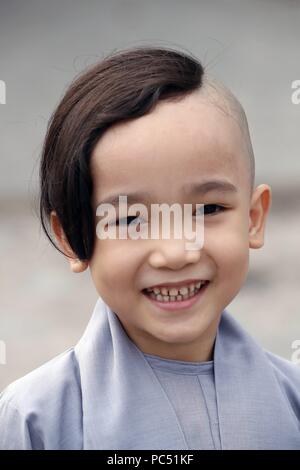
(179, 304)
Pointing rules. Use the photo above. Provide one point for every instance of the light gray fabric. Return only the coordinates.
(103, 394)
(191, 390)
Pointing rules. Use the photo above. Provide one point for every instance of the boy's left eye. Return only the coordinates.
(209, 209)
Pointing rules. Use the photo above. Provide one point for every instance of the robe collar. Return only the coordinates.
(119, 386)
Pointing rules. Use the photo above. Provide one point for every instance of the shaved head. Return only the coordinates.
(220, 96)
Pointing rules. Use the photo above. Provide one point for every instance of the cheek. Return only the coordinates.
(228, 246)
(229, 251)
(113, 265)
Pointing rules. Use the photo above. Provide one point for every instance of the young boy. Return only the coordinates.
(162, 364)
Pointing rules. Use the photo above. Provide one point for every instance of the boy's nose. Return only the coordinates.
(172, 254)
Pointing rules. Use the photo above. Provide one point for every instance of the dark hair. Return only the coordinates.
(124, 85)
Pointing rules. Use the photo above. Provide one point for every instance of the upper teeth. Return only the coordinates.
(176, 290)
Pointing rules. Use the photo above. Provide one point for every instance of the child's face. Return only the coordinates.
(176, 145)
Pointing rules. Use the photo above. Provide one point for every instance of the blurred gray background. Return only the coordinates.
(252, 46)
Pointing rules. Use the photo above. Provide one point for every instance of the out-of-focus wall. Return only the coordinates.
(252, 46)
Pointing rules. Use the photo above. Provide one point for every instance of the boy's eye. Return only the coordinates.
(128, 220)
(209, 209)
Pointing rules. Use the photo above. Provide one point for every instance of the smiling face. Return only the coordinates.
(178, 145)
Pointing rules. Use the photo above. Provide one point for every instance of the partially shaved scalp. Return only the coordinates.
(220, 96)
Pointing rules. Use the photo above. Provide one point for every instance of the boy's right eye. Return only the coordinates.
(127, 220)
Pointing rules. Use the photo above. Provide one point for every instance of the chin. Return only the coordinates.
(179, 337)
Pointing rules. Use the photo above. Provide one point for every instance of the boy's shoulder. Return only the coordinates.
(288, 375)
(59, 372)
(43, 398)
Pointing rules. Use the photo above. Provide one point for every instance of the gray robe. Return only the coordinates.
(103, 394)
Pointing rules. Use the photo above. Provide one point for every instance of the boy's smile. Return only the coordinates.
(178, 145)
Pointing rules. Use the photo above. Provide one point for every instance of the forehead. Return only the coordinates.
(177, 143)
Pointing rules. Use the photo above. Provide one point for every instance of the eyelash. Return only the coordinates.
(221, 209)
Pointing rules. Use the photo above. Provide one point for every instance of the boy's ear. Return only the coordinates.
(76, 265)
(259, 208)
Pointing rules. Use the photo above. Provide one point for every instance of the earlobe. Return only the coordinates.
(260, 206)
(76, 265)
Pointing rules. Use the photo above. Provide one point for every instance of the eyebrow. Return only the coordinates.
(193, 189)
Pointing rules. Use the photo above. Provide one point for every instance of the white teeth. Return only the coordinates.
(174, 291)
(183, 290)
(165, 294)
(173, 298)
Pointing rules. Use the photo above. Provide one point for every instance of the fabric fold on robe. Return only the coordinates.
(103, 394)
